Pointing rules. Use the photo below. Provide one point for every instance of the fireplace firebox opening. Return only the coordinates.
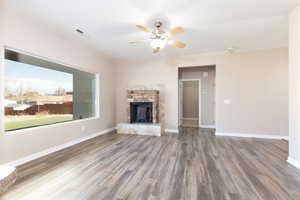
(141, 112)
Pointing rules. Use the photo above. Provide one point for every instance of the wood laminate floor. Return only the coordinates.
(192, 165)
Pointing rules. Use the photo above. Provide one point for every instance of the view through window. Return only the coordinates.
(38, 92)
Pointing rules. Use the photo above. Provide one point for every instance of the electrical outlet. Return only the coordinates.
(82, 128)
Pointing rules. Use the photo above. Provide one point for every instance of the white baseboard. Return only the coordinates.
(293, 162)
(56, 148)
(207, 126)
(247, 135)
(171, 131)
(193, 119)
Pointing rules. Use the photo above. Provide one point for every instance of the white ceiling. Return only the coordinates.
(211, 25)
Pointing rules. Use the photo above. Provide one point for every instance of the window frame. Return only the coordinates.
(28, 129)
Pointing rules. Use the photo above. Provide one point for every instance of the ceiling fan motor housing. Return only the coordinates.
(158, 32)
(158, 24)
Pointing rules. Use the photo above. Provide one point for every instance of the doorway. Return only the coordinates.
(190, 106)
(196, 89)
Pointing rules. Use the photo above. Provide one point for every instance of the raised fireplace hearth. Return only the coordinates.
(142, 113)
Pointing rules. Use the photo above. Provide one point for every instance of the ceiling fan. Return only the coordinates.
(159, 38)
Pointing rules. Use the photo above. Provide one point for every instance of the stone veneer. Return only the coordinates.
(139, 129)
(144, 96)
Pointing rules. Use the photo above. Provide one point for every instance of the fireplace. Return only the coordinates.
(141, 112)
(143, 106)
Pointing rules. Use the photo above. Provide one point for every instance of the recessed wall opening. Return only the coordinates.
(196, 96)
(141, 112)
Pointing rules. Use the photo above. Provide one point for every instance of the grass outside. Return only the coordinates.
(37, 121)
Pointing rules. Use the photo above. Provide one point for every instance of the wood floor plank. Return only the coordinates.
(191, 165)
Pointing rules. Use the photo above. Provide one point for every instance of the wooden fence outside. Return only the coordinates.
(64, 108)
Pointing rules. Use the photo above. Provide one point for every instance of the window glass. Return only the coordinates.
(38, 92)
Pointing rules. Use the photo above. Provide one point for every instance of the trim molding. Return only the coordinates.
(293, 162)
(207, 126)
(171, 131)
(253, 135)
(50, 150)
(186, 118)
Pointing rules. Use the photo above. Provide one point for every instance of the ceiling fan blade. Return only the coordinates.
(142, 28)
(156, 50)
(175, 31)
(176, 44)
(136, 42)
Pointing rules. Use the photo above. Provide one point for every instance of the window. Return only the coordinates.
(38, 92)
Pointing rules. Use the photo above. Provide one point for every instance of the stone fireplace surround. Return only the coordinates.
(144, 96)
(154, 128)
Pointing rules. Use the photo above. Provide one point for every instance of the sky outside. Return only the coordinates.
(33, 78)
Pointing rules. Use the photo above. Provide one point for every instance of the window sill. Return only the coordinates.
(25, 130)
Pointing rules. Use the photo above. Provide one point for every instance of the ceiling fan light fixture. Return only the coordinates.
(158, 43)
(159, 38)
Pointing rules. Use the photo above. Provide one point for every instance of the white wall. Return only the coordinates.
(294, 83)
(256, 83)
(24, 33)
